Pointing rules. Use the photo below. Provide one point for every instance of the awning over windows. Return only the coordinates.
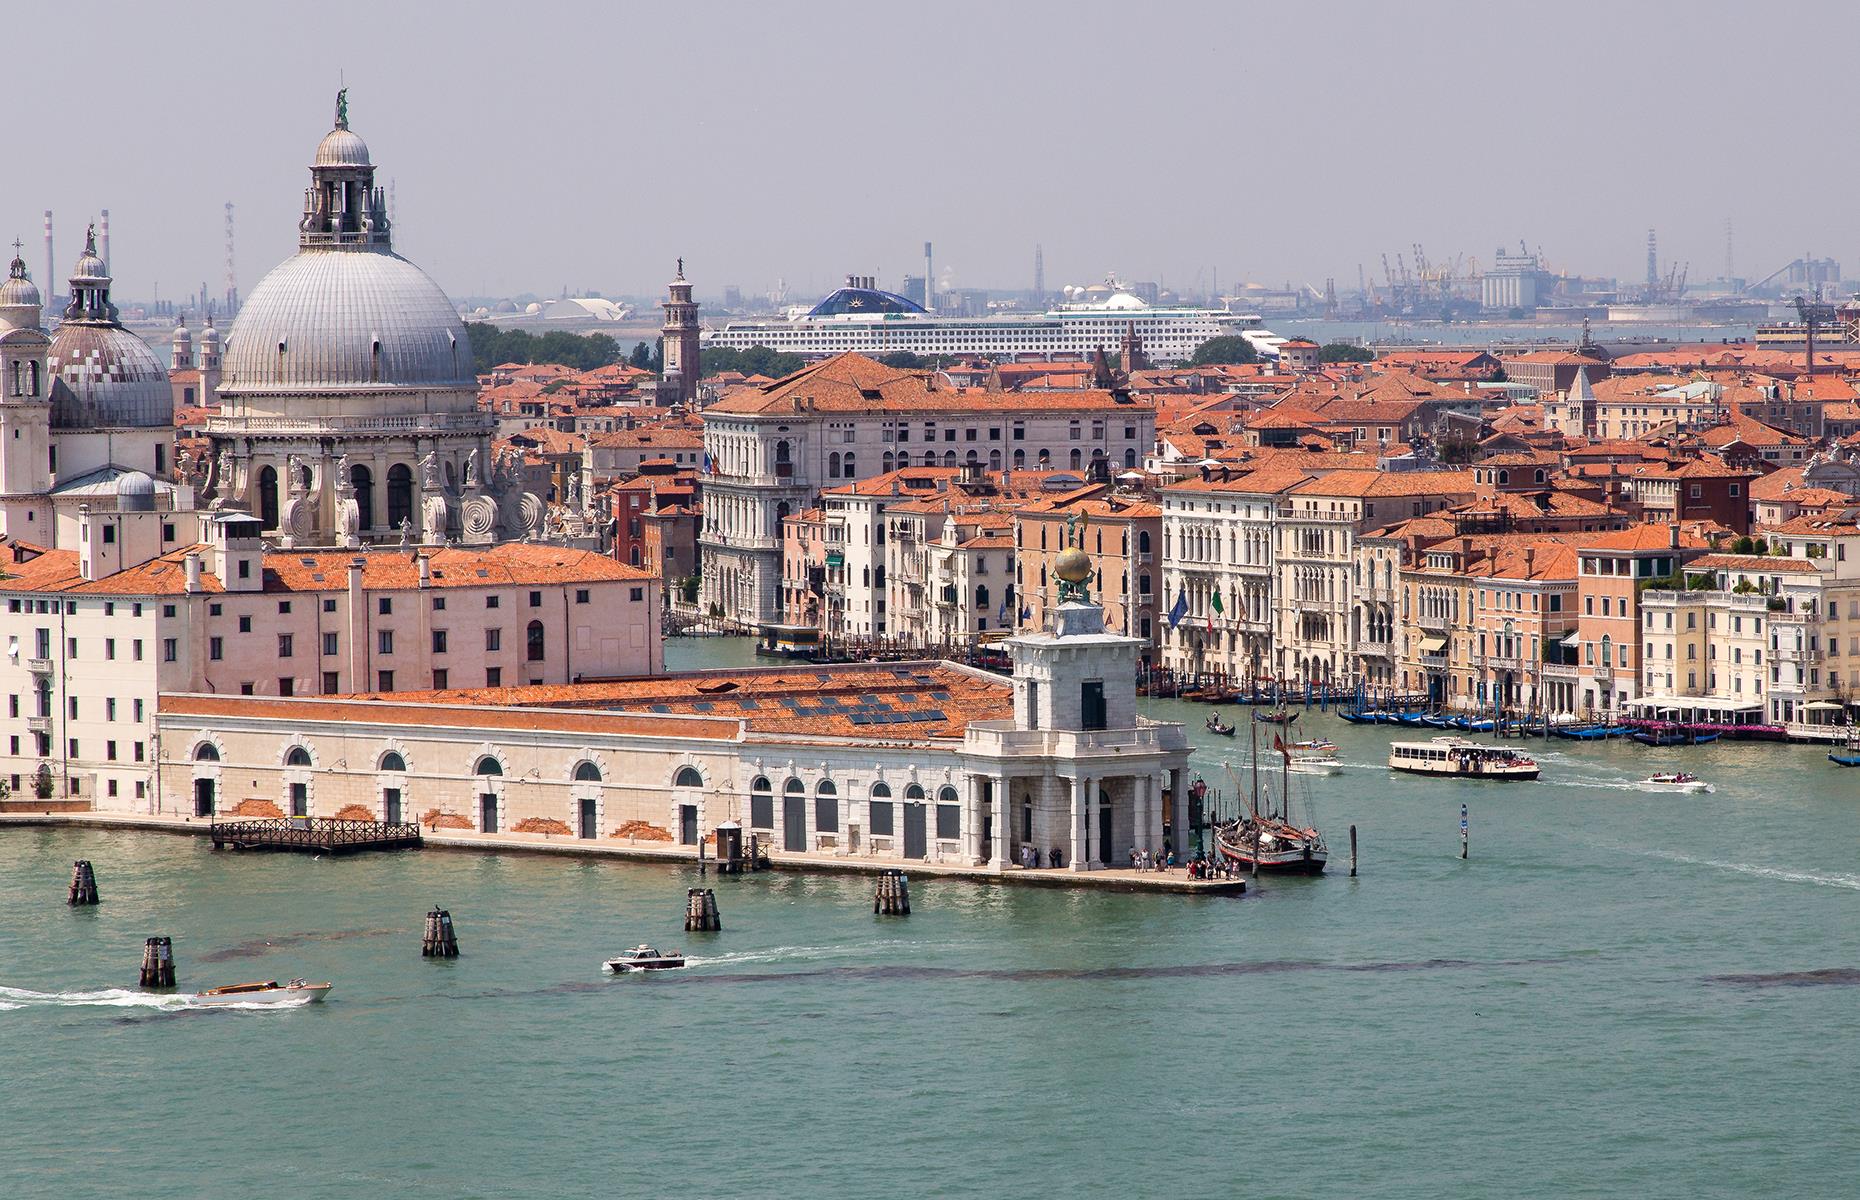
(1574, 638)
(1433, 643)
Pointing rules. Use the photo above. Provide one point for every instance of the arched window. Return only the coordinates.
(851, 472)
(633, 555)
(688, 777)
(949, 458)
(1143, 541)
(399, 495)
(761, 804)
(1020, 460)
(1504, 477)
(587, 772)
(826, 807)
(913, 792)
(268, 498)
(833, 465)
(1143, 584)
(393, 761)
(981, 597)
(890, 461)
(207, 752)
(1540, 474)
(533, 636)
(973, 459)
(1077, 459)
(947, 795)
(782, 456)
(1130, 458)
(363, 481)
(794, 787)
(297, 757)
(488, 766)
(881, 791)
(994, 460)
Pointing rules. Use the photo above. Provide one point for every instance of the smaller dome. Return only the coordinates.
(1072, 565)
(342, 148)
(88, 268)
(210, 336)
(135, 492)
(18, 291)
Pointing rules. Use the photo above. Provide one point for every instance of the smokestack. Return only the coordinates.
(103, 229)
(929, 281)
(50, 287)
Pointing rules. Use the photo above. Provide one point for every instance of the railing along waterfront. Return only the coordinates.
(325, 834)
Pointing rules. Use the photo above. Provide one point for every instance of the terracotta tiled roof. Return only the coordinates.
(855, 383)
(1763, 563)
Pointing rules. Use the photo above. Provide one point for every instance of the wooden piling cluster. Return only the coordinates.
(83, 883)
(441, 939)
(158, 963)
(893, 898)
(701, 915)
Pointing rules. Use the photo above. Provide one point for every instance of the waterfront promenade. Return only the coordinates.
(1174, 881)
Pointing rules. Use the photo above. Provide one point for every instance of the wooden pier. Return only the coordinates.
(321, 835)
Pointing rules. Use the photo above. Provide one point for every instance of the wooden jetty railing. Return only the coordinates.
(325, 835)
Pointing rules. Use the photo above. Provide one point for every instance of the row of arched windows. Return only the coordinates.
(393, 762)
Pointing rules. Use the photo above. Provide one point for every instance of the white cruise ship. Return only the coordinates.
(860, 318)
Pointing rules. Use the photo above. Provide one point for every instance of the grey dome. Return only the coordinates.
(348, 319)
(135, 492)
(105, 377)
(18, 291)
(342, 148)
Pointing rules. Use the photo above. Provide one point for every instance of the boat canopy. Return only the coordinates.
(1699, 703)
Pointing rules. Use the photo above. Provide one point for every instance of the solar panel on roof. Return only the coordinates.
(703, 706)
(661, 708)
(861, 718)
(747, 702)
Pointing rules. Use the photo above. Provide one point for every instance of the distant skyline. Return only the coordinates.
(536, 147)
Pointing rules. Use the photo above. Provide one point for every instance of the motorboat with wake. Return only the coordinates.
(297, 991)
(1262, 840)
(1313, 756)
(644, 958)
(1674, 781)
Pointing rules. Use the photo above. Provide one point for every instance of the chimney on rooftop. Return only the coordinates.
(1672, 537)
(425, 566)
(190, 564)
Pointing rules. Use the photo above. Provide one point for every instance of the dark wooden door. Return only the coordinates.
(203, 797)
(916, 835)
(1105, 853)
(588, 823)
(687, 824)
(300, 799)
(794, 823)
(487, 813)
(390, 805)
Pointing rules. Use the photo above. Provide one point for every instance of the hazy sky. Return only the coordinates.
(536, 145)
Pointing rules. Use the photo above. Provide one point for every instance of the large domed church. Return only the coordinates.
(348, 407)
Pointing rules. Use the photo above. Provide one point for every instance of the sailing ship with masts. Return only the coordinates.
(1261, 839)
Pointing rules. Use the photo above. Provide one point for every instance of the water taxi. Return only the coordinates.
(1674, 781)
(644, 958)
(1461, 759)
(297, 991)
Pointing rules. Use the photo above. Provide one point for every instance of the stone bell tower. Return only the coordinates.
(679, 344)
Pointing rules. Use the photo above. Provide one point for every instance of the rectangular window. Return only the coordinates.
(245, 624)
(636, 594)
(284, 645)
(440, 678)
(439, 641)
(948, 822)
(284, 607)
(493, 639)
(439, 604)
(71, 706)
(494, 677)
(136, 707)
(535, 599)
(384, 641)
(109, 708)
(490, 601)
(385, 606)
(882, 811)
(214, 610)
(109, 648)
(384, 681)
(216, 648)
(109, 751)
(287, 686)
(330, 643)
(329, 605)
(581, 595)
(331, 683)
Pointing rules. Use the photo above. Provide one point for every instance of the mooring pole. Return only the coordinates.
(1465, 839)
(1352, 852)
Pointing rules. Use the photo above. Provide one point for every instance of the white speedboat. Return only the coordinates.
(1677, 781)
(297, 991)
(644, 958)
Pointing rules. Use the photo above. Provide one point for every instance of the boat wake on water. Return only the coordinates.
(1851, 882)
(126, 998)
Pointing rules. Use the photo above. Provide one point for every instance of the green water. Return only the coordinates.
(1549, 1018)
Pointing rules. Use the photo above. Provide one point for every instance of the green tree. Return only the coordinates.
(904, 360)
(1231, 348)
(491, 345)
(646, 357)
(1344, 352)
(756, 360)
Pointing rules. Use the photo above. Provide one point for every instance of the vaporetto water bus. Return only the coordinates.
(1461, 759)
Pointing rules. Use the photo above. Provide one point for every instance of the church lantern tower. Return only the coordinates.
(679, 344)
(25, 410)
